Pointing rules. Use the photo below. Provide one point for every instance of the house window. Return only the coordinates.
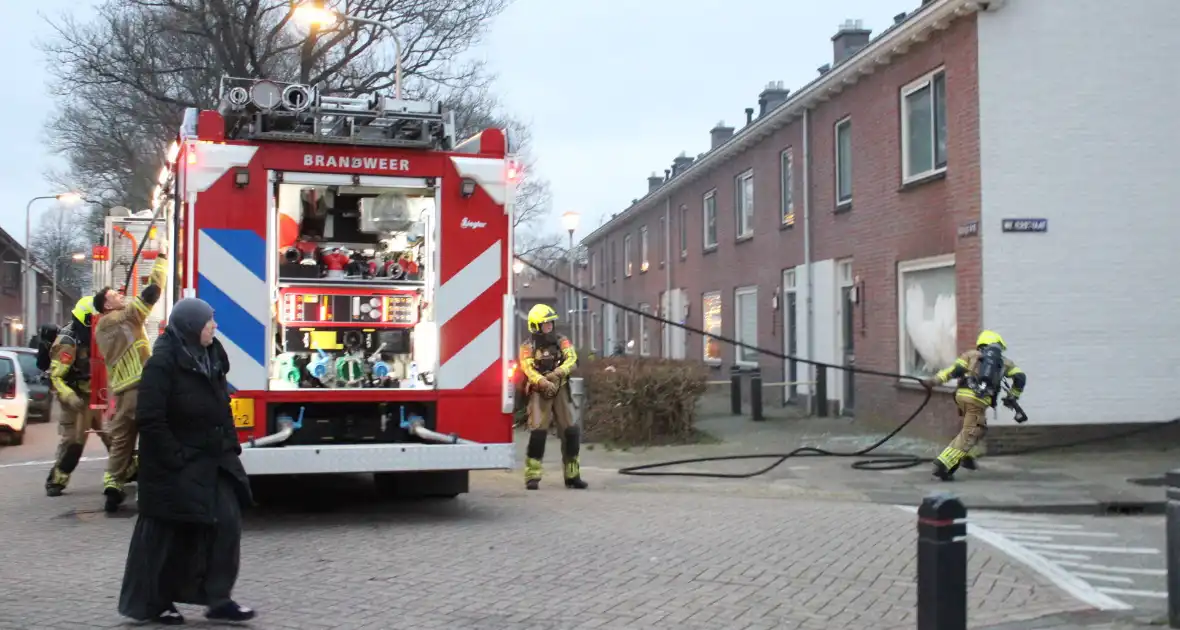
(923, 127)
(593, 270)
(683, 231)
(709, 212)
(595, 325)
(630, 329)
(745, 300)
(644, 339)
(743, 203)
(643, 258)
(787, 184)
(927, 315)
(614, 261)
(711, 324)
(661, 239)
(627, 256)
(844, 162)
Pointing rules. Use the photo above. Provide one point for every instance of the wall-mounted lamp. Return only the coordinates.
(241, 177)
(468, 188)
(774, 300)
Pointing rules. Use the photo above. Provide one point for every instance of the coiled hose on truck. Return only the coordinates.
(880, 461)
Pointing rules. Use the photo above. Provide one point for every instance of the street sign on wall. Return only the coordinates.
(1025, 225)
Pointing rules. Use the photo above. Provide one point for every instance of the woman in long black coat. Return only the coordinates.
(192, 485)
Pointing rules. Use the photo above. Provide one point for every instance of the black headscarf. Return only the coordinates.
(186, 321)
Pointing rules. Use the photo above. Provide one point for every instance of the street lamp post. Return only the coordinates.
(315, 13)
(66, 197)
(53, 296)
(569, 221)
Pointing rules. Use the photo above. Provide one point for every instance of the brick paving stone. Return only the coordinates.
(500, 558)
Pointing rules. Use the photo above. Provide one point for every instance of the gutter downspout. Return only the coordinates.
(667, 301)
(811, 369)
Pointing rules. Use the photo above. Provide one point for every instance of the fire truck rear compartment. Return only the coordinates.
(351, 422)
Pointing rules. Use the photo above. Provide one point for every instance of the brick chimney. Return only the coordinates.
(681, 163)
(719, 135)
(847, 41)
(654, 182)
(773, 96)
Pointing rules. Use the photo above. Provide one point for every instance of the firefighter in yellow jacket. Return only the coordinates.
(980, 373)
(547, 359)
(69, 376)
(122, 340)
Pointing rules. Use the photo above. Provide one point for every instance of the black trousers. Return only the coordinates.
(187, 563)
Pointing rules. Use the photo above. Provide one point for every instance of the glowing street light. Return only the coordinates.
(517, 266)
(78, 257)
(569, 221)
(314, 13)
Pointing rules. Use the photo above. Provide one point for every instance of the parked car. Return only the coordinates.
(37, 382)
(14, 398)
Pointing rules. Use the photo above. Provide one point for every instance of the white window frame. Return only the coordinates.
(743, 207)
(911, 266)
(709, 199)
(739, 353)
(684, 231)
(593, 269)
(926, 81)
(594, 324)
(663, 237)
(644, 262)
(627, 269)
(705, 325)
(786, 182)
(846, 122)
(644, 337)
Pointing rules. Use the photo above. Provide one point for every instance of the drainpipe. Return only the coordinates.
(667, 331)
(811, 370)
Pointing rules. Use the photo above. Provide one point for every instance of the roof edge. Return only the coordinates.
(893, 42)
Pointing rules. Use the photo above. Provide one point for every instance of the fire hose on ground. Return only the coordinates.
(879, 461)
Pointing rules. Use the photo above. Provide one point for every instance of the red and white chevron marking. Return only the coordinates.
(473, 267)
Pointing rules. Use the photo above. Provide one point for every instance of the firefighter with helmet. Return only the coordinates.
(980, 373)
(547, 359)
(69, 376)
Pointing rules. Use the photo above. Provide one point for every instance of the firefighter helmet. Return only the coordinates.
(540, 314)
(84, 308)
(988, 337)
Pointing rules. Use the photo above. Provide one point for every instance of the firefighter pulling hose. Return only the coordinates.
(881, 461)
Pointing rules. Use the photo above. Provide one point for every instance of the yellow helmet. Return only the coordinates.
(83, 308)
(988, 337)
(540, 314)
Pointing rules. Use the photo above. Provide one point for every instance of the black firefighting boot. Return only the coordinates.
(533, 455)
(942, 472)
(969, 462)
(573, 469)
(113, 490)
(59, 476)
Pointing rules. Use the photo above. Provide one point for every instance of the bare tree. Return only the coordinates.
(61, 233)
(125, 77)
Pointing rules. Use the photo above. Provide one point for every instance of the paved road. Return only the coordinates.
(1114, 562)
(623, 555)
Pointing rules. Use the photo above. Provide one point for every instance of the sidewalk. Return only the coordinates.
(1076, 481)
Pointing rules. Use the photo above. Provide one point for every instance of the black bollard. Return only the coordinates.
(821, 391)
(942, 563)
(1173, 542)
(756, 395)
(735, 390)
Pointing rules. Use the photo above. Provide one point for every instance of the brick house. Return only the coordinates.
(12, 255)
(846, 222)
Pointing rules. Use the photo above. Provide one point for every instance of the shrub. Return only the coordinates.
(641, 401)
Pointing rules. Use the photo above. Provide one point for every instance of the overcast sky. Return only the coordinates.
(614, 89)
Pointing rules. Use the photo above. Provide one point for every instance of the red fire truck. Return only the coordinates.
(358, 260)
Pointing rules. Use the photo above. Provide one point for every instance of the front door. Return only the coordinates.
(790, 337)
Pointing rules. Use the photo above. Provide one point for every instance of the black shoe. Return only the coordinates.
(229, 611)
(54, 490)
(576, 483)
(969, 463)
(114, 498)
(532, 484)
(170, 617)
(940, 471)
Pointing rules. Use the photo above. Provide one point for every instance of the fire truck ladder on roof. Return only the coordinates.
(261, 109)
